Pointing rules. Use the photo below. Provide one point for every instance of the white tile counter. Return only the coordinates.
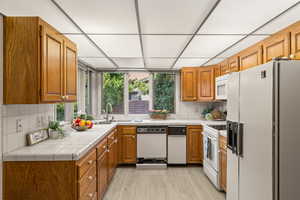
(74, 146)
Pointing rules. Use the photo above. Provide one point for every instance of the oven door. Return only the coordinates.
(221, 87)
(211, 154)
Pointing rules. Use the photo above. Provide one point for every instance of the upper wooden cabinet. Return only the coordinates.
(233, 64)
(224, 69)
(278, 45)
(217, 71)
(251, 57)
(40, 63)
(206, 83)
(295, 41)
(189, 84)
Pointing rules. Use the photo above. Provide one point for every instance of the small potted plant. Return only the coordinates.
(158, 114)
(55, 130)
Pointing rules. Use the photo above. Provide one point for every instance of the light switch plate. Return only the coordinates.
(19, 125)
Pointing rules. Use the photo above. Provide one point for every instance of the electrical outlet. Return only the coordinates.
(19, 125)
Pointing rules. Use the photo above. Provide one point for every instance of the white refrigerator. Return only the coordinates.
(263, 132)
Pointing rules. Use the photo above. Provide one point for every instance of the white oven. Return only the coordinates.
(221, 87)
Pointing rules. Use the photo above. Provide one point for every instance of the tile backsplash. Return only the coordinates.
(28, 117)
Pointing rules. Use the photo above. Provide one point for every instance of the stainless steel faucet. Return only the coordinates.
(107, 108)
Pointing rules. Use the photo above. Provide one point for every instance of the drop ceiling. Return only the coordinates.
(156, 34)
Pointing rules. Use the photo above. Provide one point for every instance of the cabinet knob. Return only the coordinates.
(67, 97)
(90, 162)
(90, 195)
(104, 147)
(116, 141)
(107, 150)
(90, 178)
(292, 56)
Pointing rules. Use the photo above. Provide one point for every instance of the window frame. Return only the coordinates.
(126, 92)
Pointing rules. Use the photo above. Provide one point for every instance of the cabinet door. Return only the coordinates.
(52, 65)
(70, 72)
(102, 164)
(189, 84)
(111, 157)
(276, 46)
(206, 84)
(128, 149)
(295, 42)
(233, 64)
(217, 71)
(195, 145)
(224, 69)
(251, 57)
(223, 169)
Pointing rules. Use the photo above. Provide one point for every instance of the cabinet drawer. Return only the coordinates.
(101, 148)
(91, 192)
(223, 142)
(86, 163)
(87, 179)
(111, 138)
(128, 130)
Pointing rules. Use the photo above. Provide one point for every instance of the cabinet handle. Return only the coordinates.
(90, 178)
(90, 162)
(67, 97)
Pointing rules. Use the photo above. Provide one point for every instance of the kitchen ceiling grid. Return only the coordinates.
(155, 34)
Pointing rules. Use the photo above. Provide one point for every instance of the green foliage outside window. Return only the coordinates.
(164, 92)
(60, 112)
(141, 85)
(113, 91)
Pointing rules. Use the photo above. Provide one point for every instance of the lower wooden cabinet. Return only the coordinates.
(102, 173)
(127, 144)
(194, 145)
(223, 163)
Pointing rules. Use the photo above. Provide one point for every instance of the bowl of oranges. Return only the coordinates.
(82, 123)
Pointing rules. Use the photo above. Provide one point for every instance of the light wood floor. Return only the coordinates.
(174, 183)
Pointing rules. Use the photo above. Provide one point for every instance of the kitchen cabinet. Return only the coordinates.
(233, 64)
(85, 179)
(217, 71)
(251, 57)
(278, 45)
(223, 162)
(295, 41)
(194, 145)
(40, 63)
(127, 144)
(206, 84)
(224, 69)
(189, 84)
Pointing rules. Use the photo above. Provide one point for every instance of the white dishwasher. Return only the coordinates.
(177, 145)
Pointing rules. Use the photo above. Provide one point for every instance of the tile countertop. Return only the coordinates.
(77, 144)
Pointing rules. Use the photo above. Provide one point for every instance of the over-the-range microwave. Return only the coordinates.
(221, 87)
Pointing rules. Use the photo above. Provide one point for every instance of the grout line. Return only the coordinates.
(170, 34)
(252, 32)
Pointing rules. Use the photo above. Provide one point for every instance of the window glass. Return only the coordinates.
(60, 112)
(113, 92)
(87, 92)
(138, 88)
(164, 92)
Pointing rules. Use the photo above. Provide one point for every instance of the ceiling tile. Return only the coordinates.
(98, 62)
(247, 42)
(85, 48)
(281, 22)
(236, 16)
(209, 45)
(215, 61)
(173, 16)
(190, 62)
(129, 62)
(164, 46)
(42, 8)
(159, 62)
(119, 46)
(101, 16)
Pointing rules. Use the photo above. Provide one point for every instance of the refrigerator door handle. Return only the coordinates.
(240, 138)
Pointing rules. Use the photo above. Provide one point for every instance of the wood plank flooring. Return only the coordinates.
(174, 183)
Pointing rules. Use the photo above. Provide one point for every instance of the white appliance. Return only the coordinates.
(263, 132)
(177, 145)
(221, 87)
(151, 146)
(211, 152)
